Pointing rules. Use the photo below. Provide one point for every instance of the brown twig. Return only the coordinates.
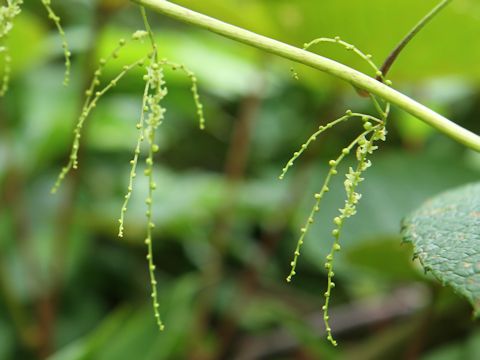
(235, 165)
(402, 302)
(411, 34)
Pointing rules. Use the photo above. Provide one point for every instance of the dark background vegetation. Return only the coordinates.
(226, 226)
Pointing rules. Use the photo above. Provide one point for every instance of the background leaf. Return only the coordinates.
(445, 233)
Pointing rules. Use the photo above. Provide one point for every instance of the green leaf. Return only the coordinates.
(445, 233)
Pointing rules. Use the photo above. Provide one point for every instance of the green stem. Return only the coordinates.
(321, 63)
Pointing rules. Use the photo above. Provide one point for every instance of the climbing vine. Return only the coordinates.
(152, 114)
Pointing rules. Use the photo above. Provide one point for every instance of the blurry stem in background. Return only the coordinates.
(47, 308)
(16, 311)
(250, 280)
(415, 30)
(354, 77)
(402, 302)
(419, 337)
(12, 197)
(15, 198)
(272, 233)
(235, 165)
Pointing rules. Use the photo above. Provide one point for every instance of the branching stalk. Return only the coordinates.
(321, 63)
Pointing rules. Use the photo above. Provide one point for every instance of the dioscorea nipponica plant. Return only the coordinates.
(373, 128)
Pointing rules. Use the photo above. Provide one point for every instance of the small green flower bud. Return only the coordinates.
(368, 125)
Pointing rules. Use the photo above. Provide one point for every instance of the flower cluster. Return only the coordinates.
(353, 178)
(363, 146)
(151, 117)
(8, 13)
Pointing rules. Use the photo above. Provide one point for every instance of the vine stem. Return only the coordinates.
(352, 76)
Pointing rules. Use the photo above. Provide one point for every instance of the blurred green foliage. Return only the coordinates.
(226, 227)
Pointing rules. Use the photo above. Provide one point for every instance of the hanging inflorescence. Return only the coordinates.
(8, 13)
(66, 52)
(374, 130)
(151, 117)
